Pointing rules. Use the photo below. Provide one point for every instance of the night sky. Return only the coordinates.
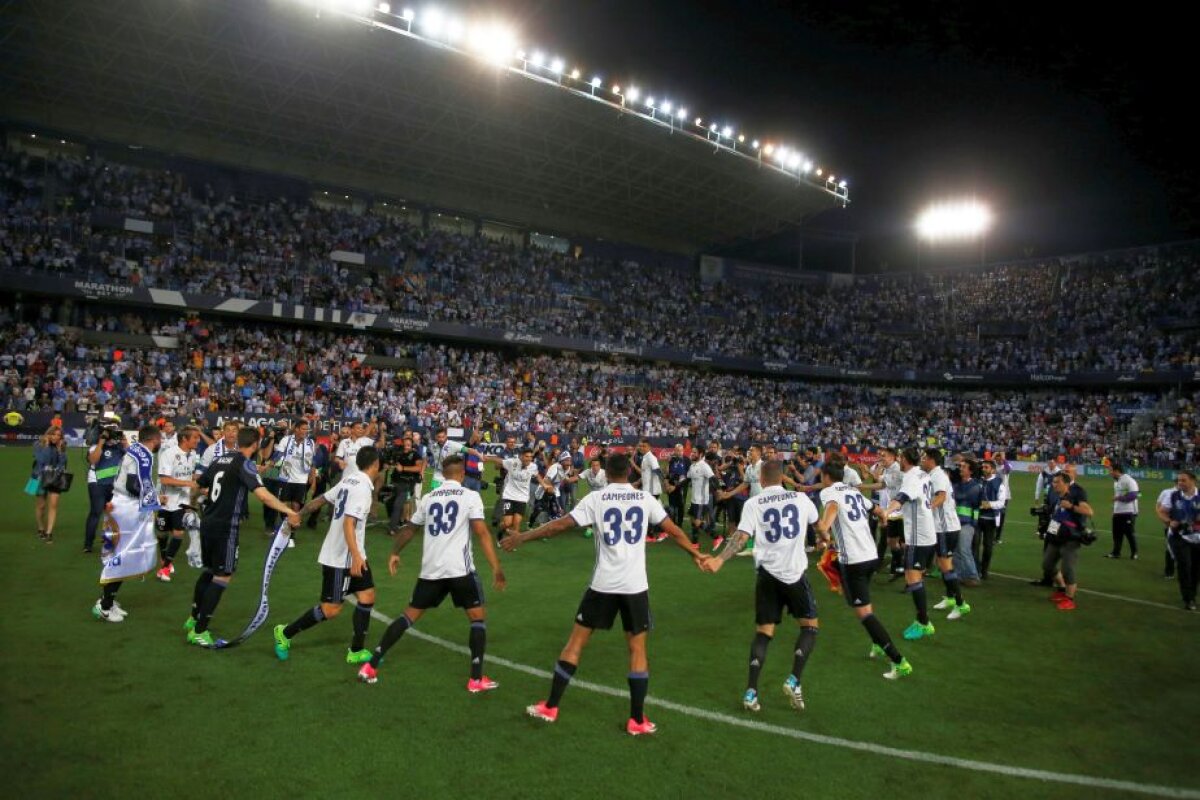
(1073, 130)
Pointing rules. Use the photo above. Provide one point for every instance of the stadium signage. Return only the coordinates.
(522, 338)
(697, 358)
(98, 290)
(958, 376)
(1043, 378)
(616, 349)
(775, 366)
(399, 323)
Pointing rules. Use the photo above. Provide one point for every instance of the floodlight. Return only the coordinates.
(596, 82)
(493, 42)
(649, 102)
(842, 184)
(727, 132)
(633, 93)
(754, 144)
(741, 137)
(818, 172)
(793, 161)
(699, 122)
(557, 66)
(964, 219)
(384, 8)
(616, 88)
(681, 113)
(768, 148)
(666, 106)
(407, 15)
(538, 58)
(574, 74)
(433, 22)
(807, 166)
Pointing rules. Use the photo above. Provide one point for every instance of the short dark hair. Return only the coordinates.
(891, 450)
(366, 457)
(834, 469)
(247, 436)
(439, 430)
(1187, 472)
(594, 460)
(525, 450)
(771, 471)
(1115, 466)
(933, 454)
(148, 433)
(911, 455)
(453, 464)
(298, 421)
(617, 467)
(836, 458)
(1062, 475)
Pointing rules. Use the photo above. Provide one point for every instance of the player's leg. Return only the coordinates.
(596, 611)
(914, 584)
(426, 594)
(477, 644)
(639, 684)
(96, 503)
(895, 528)
(1070, 558)
(803, 606)
(39, 514)
(220, 554)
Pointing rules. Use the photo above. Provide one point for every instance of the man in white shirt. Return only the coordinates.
(170, 438)
(343, 558)
(226, 444)
(520, 472)
(176, 476)
(441, 449)
(623, 516)
(649, 469)
(892, 476)
(294, 453)
(913, 500)
(700, 475)
(845, 512)
(779, 519)
(449, 515)
(595, 479)
(349, 447)
(1125, 511)
(948, 527)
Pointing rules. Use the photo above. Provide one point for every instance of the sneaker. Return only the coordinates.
(750, 701)
(106, 616)
(543, 712)
(717, 542)
(1190, 606)
(171, 567)
(119, 610)
(194, 560)
(587, 533)
(484, 684)
(1066, 604)
(87, 549)
(959, 611)
(876, 652)
(1133, 557)
(291, 545)
(898, 671)
(1111, 555)
(205, 640)
(643, 728)
(189, 626)
(283, 644)
(918, 631)
(1057, 596)
(367, 674)
(357, 656)
(793, 692)
(164, 574)
(947, 602)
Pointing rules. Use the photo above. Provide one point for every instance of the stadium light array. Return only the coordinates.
(496, 44)
(965, 219)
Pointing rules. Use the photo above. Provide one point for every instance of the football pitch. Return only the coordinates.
(1016, 700)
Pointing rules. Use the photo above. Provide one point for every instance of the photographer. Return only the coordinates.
(1065, 535)
(106, 448)
(1181, 514)
(49, 480)
(677, 469)
(267, 457)
(407, 469)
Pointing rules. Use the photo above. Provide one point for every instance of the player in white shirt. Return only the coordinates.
(294, 453)
(948, 528)
(699, 476)
(177, 477)
(648, 469)
(170, 438)
(595, 479)
(349, 447)
(521, 471)
(778, 518)
(920, 540)
(226, 444)
(343, 558)
(623, 516)
(845, 512)
(1125, 511)
(892, 476)
(439, 451)
(448, 515)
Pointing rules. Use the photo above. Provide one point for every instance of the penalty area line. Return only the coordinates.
(1045, 776)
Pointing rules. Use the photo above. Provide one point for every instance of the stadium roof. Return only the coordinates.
(272, 87)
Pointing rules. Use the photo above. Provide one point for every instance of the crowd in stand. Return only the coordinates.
(266, 368)
(1102, 313)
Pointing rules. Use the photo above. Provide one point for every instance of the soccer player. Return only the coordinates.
(229, 479)
(700, 474)
(448, 515)
(226, 444)
(343, 559)
(510, 451)
(844, 511)
(295, 454)
(439, 451)
(176, 474)
(623, 515)
(519, 472)
(920, 540)
(778, 518)
(1125, 511)
(595, 478)
(892, 477)
(948, 527)
(135, 499)
(349, 447)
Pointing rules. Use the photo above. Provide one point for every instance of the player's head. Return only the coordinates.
(967, 469)
(697, 455)
(832, 471)
(189, 437)
(643, 446)
(168, 427)
(714, 446)
(300, 428)
(440, 436)
(247, 439)
(357, 429)
(595, 464)
(617, 468)
(772, 473)
(755, 452)
(406, 442)
(526, 456)
(988, 468)
(229, 432)
(1185, 481)
(367, 461)
(679, 449)
(769, 452)
(837, 458)
(149, 437)
(1116, 469)
(510, 442)
(931, 458)
(453, 468)
(910, 457)
(888, 456)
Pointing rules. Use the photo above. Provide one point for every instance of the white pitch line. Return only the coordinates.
(834, 741)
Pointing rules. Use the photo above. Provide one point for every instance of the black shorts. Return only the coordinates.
(167, 521)
(772, 596)
(895, 529)
(337, 582)
(293, 492)
(918, 558)
(219, 552)
(947, 543)
(697, 511)
(856, 582)
(466, 591)
(598, 611)
(733, 510)
(513, 508)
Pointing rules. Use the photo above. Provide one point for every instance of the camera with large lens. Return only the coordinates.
(390, 455)
(1043, 514)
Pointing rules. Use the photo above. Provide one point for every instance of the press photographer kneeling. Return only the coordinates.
(1065, 535)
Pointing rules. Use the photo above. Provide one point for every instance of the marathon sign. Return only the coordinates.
(49, 284)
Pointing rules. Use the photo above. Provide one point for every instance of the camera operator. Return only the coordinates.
(407, 469)
(267, 456)
(106, 448)
(1065, 535)
(1181, 514)
(677, 469)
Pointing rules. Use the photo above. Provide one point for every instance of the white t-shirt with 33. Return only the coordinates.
(351, 497)
(778, 519)
(622, 516)
(851, 527)
(445, 514)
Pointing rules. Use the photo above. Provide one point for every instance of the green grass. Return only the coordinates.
(97, 710)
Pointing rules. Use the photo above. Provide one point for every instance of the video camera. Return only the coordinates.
(1043, 514)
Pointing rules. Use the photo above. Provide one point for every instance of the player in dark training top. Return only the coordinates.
(229, 479)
